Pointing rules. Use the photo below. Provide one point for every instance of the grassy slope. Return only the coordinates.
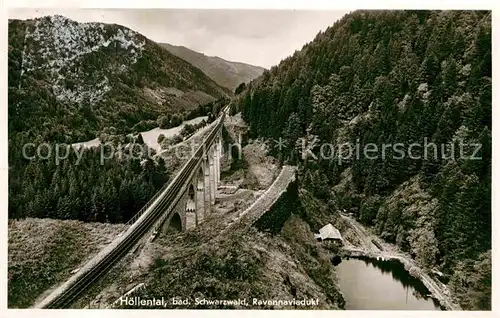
(243, 264)
(43, 252)
(246, 265)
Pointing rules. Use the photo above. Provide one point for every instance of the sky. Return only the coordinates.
(257, 37)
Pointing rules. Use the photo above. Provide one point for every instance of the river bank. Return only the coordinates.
(369, 245)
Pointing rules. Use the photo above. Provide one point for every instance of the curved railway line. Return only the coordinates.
(71, 289)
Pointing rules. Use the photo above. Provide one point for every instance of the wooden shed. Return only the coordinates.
(329, 233)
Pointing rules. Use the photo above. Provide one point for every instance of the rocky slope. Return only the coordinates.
(225, 73)
(65, 75)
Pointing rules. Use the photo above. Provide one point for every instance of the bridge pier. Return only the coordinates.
(219, 155)
(198, 196)
(213, 184)
(207, 188)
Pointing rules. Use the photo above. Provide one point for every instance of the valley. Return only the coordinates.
(195, 177)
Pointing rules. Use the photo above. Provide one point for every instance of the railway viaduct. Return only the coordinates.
(181, 204)
(197, 195)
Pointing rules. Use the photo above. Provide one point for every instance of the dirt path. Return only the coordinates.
(438, 290)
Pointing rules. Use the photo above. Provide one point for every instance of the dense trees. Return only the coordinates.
(471, 282)
(240, 88)
(392, 77)
(87, 189)
(103, 86)
(206, 109)
(131, 81)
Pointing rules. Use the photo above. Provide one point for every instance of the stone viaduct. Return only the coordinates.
(197, 195)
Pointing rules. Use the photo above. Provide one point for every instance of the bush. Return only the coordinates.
(163, 122)
(176, 120)
(144, 125)
(139, 140)
(240, 88)
(187, 130)
(176, 139)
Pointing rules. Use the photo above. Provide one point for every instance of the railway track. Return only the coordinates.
(131, 237)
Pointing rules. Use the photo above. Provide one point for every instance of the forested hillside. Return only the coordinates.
(72, 82)
(391, 77)
(69, 80)
(87, 188)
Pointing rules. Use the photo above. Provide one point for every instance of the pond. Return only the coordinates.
(370, 284)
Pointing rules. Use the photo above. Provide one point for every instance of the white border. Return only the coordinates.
(239, 4)
(258, 4)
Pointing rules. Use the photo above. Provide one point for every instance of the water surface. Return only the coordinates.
(381, 285)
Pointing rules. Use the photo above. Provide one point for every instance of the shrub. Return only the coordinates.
(163, 122)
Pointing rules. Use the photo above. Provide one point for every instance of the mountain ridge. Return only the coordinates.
(226, 73)
(102, 74)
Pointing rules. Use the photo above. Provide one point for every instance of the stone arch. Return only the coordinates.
(191, 191)
(191, 197)
(190, 209)
(175, 223)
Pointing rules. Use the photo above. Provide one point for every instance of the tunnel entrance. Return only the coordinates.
(175, 223)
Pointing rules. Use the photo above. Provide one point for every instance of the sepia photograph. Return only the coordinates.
(249, 159)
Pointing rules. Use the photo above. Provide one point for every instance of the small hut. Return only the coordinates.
(329, 233)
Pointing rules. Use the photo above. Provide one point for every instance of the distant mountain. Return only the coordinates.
(69, 80)
(225, 73)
